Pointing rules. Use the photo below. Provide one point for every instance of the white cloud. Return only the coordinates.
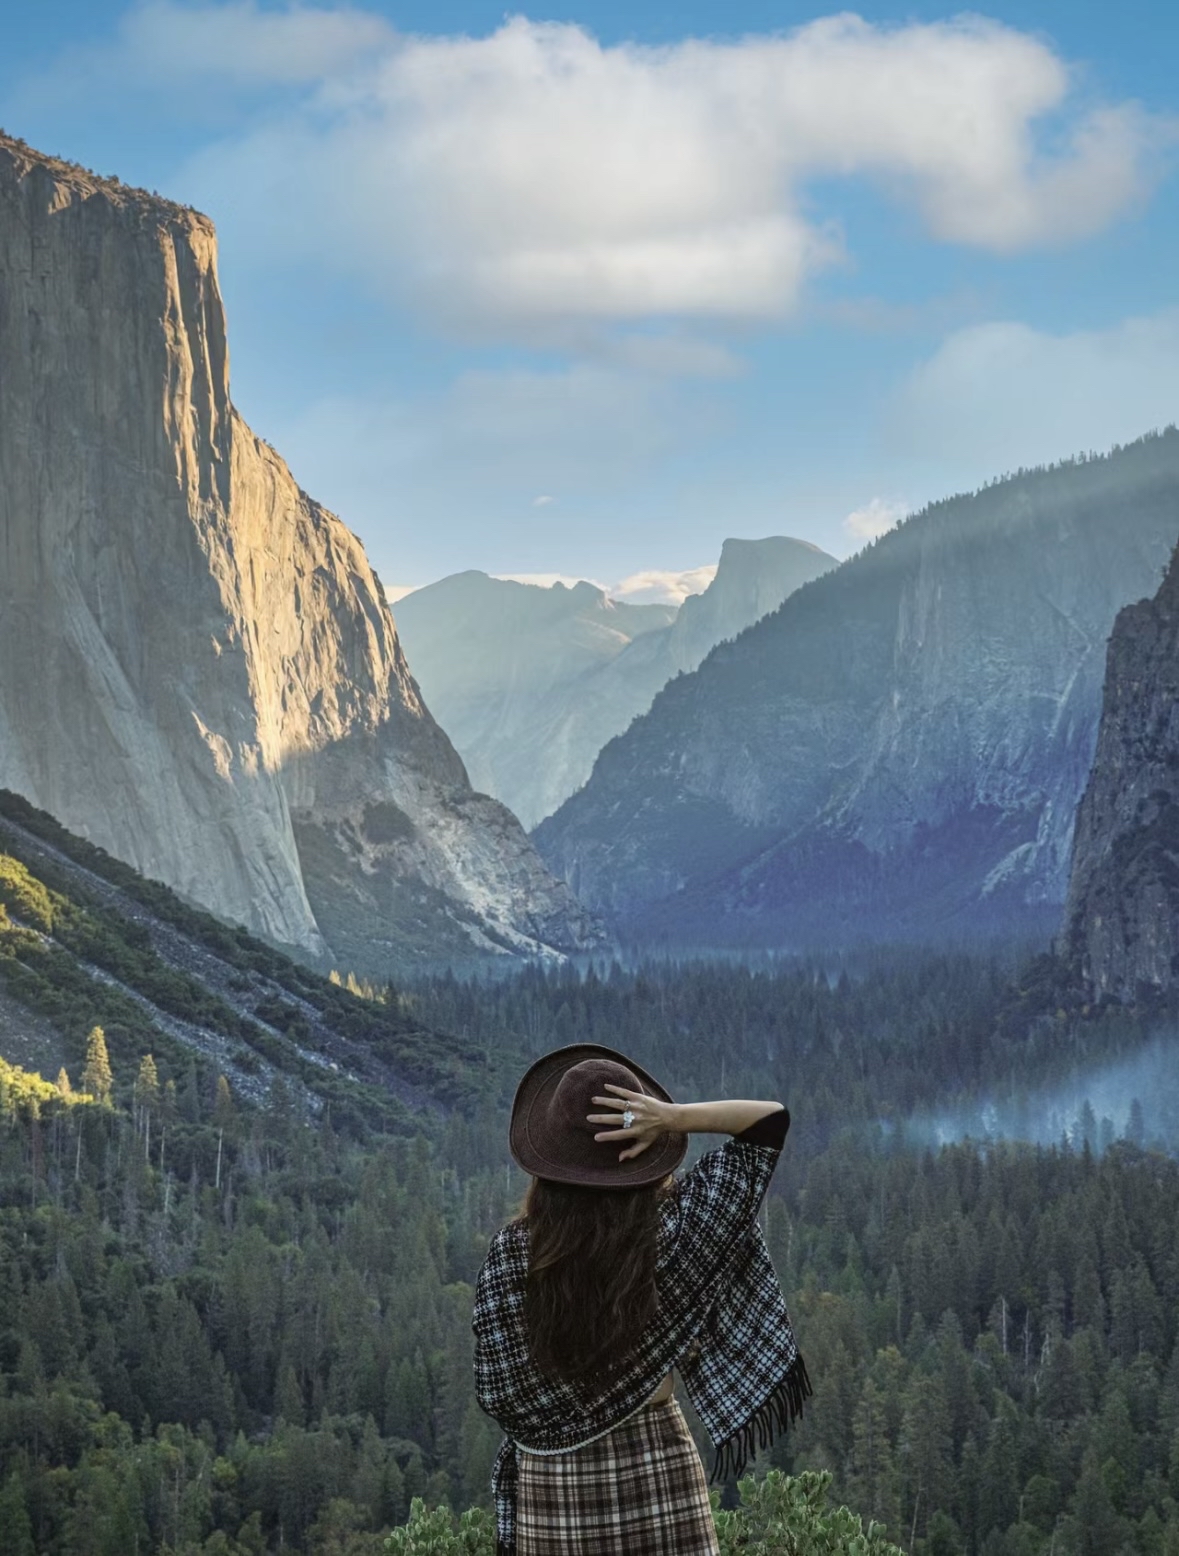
(542, 501)
(169, 46)
(302, 44)
(997, 396)
(395, 592)
(656, 586)
(534, 178)
(875, 518)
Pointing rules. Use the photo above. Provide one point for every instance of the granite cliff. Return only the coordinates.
(198, 669)
(531, 683)
(899, 750)
(1121, 934)
(753, 577)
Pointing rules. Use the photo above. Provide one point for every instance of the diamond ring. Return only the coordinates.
(628, 1119)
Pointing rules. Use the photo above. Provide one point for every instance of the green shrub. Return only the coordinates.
(782, 1515)
(786, 1515)
(439, 1532)
(24, 896)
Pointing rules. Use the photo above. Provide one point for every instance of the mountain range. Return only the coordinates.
(198, 668)
(200, 675)
(898, 751)
(530, 683)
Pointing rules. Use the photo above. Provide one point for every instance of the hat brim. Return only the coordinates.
(537, 1154)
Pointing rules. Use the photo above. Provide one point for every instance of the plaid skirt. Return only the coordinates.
(638, 1491)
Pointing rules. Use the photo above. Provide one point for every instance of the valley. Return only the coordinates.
(294, 887)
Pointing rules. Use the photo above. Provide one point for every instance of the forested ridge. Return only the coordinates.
(85, 940)
(243, 1327)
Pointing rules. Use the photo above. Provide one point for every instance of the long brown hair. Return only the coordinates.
(591, 1274)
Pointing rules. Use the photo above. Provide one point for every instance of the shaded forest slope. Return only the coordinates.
(85, 941)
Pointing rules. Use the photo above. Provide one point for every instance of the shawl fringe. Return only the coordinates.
(767, 1422)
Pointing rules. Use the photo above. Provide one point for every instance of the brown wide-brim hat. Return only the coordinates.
(549, 1134)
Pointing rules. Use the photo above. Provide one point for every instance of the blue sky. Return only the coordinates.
(587, 288)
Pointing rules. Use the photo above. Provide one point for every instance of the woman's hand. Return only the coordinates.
(652, 1118)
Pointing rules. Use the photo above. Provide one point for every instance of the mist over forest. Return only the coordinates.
(1135, 1099)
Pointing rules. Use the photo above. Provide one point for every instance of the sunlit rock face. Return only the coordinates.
(896, 753)
(1122, 917)
(198, 670)
(531, 683)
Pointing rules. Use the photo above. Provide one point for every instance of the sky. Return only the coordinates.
(584, 289)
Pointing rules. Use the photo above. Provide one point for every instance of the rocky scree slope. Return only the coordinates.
(530, 683)
(1121, 927)
(198, 669)
(899, 750)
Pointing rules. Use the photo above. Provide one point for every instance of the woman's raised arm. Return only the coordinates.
(720, 1118)
(651, 1118)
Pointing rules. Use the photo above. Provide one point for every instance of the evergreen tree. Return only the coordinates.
(146, 1093)
(873, 1478)
(1136, 1125)
(97, 1079)
(925, 1452)
(1000, 1479)
(223, 1109)
(288, 1403)
(145, 1096)
(1098, 1531)
(16, 1532)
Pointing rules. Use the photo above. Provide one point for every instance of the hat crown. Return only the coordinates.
(574, 1096)
(550, 1133)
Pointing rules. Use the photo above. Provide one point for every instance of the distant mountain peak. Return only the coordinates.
(531, 681)
(737, 546)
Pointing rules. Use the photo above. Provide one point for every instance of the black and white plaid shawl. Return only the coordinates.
(722, 1322)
